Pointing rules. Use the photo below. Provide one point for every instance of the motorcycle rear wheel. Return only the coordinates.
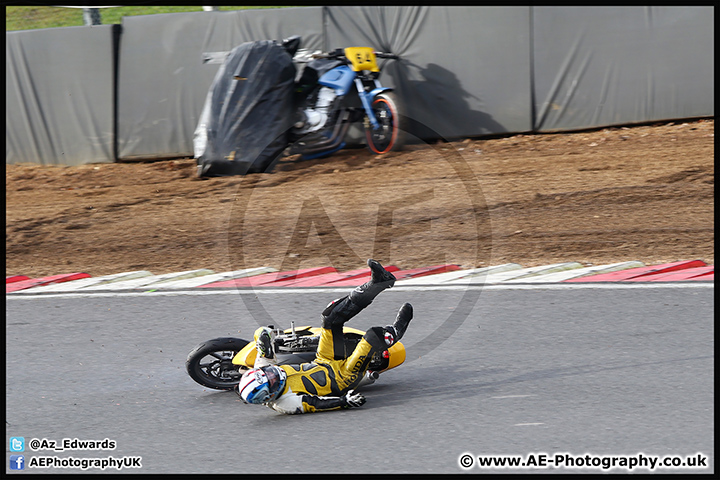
(391, 134)
(210, 363)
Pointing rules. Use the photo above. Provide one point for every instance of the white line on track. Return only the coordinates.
(306, 290)
(516, 396)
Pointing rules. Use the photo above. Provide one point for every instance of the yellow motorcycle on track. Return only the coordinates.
(220, 363)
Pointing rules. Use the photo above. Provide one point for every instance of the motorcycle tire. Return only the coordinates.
(210, 363)
(390, 137)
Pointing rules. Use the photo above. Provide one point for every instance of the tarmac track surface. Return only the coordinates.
(618, 370)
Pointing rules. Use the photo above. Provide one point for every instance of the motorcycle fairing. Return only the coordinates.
(339, 79)
(246, 356)
(397, 356)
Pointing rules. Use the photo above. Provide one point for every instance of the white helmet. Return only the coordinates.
(262, 385)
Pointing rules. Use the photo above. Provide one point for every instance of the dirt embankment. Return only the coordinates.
(641, 193)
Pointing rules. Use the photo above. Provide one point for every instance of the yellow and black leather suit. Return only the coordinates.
(320, 385)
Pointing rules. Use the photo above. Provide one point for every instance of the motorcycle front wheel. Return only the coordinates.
(210, 363)
(391, 134)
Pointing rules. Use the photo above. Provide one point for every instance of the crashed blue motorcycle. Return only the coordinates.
(270, 100)
(346, 89)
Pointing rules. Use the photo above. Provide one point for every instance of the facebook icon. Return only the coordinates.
(17, 462)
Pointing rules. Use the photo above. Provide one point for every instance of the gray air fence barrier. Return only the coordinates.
(107, 93)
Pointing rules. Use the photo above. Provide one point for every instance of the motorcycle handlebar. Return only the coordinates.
(337, 54)
(387, 55)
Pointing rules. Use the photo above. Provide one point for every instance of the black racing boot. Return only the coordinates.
(404, 315)
(381, 279)
(343, 309)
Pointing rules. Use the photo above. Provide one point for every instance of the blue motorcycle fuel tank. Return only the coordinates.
(339, 79)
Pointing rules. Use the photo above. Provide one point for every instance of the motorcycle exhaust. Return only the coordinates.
(368, 379)
(339, 131)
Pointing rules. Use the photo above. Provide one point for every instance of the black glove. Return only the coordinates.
(352, 399)
(265, 344)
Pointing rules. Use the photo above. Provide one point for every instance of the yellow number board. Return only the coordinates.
(362, 58)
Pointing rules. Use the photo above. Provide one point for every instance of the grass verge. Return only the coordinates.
(30, 18)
